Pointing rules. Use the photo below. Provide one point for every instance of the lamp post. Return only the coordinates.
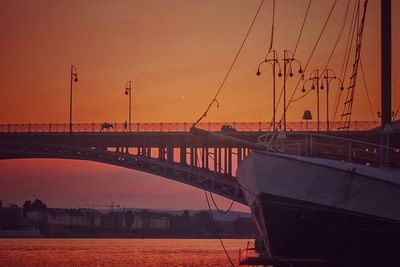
(307, 116)
(314, 78)
(288, 59)
(328, 76)
(74, 78)
(273, 61)
(128, 91)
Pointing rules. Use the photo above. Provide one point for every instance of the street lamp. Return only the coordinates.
(288, 59)
(273, 61)
(128, 91)
(74, 78)
(306, 116)
(314, 78)
(328, 76)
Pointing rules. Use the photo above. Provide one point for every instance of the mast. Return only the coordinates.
(386, 63)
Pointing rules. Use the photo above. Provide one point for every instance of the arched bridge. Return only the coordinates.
(200, 161)
(195, 161)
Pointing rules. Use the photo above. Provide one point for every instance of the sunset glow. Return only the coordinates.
(176, 54)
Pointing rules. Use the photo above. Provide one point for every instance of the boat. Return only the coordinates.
(314, 206)
(325, 200)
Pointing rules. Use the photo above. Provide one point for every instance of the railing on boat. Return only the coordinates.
(249, 251)
(332, 147)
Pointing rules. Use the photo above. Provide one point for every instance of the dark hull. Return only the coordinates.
(298, 229)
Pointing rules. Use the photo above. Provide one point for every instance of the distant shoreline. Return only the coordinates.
(125, 237)
(38, 234)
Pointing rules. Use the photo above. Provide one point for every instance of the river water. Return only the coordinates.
(117, 252)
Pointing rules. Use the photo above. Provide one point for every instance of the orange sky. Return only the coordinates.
(176, 53)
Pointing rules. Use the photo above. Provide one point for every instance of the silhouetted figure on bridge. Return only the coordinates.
(106, 126)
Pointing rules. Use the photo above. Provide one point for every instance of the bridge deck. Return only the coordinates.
(176, 127)
(156, 139)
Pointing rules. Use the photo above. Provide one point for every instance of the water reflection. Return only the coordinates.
(117, 252)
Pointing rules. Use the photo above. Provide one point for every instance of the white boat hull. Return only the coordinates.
(346, 186)
(317, 208)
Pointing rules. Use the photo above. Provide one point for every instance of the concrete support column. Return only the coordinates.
(170, 154)
(215, 160)
(206, 158)
(229, 161)
(219, 151)
(239, 155)
(182, 159)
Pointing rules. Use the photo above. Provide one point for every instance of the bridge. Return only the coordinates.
(168, 150)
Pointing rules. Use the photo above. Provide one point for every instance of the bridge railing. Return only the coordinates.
(174, 127)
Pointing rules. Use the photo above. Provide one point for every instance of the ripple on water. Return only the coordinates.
(117, 252)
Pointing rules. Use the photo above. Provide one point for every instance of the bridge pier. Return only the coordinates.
(219, 152)
(219, 158)
(170, 154)
(215, 161)
(203, 158)
(239, 155)
(229, 161)
(182, 158)
(192, 160)
(206, 158)
(197, 157)
(161, 153)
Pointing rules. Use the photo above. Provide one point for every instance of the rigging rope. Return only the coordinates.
(395, 115)
(231, 66)
(302, 96)
(350, 39)
(366, 90)
(295, 50)
(337, 101)
(348, 104)
(320, 35)
(217, 230)
(330, 56)
(312, 52)
(212, 197)
(302, 27)
(338, 38)
(212, 215)
(271, 44)
(349, 42)
(218, 209)
(272, 29)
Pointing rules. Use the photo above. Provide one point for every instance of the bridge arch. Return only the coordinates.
(201, 178)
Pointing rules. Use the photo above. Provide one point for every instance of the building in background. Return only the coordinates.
(225, 228)
(244, 226)
(11, 217)
(36, 219)
(113, 219)
(66, 217)
(145, 220)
